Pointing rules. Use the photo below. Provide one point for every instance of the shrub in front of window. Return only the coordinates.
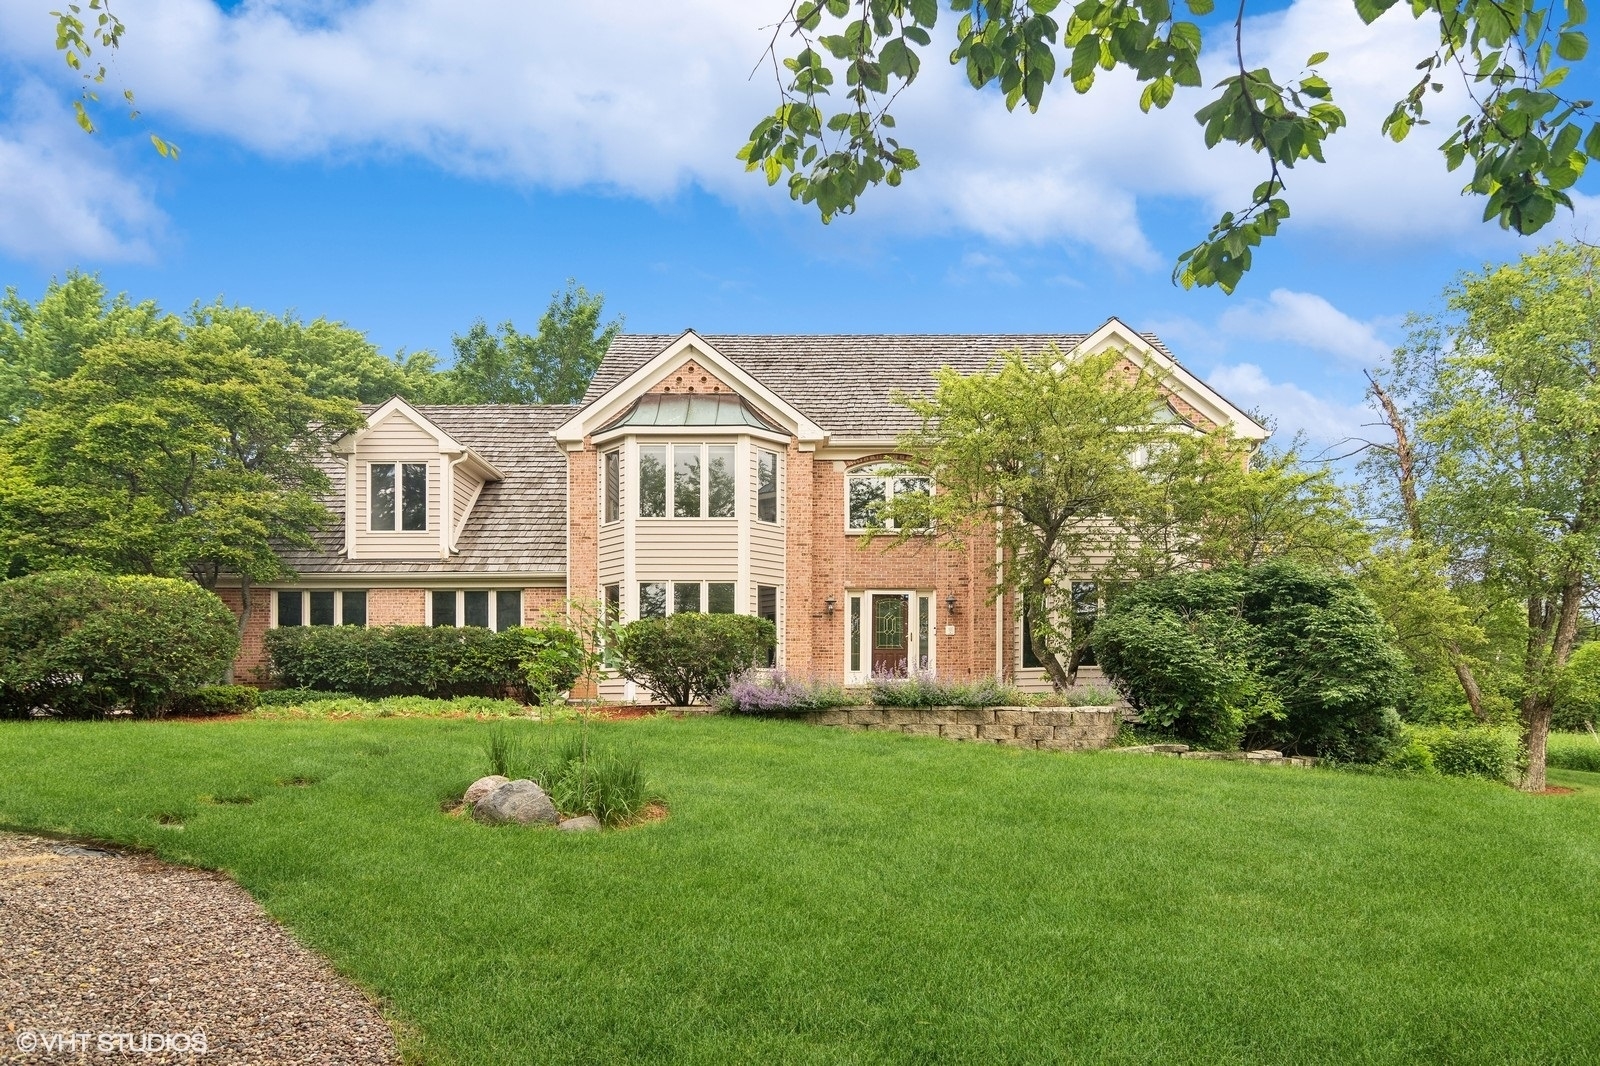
(1279, 655)
(85, 645)
(689, 658)
(441, 662)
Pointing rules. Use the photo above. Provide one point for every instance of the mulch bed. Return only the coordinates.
(106, 955)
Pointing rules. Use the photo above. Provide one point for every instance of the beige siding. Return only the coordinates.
(465, 492)
(666, 549)
(613, 535)
(611, 549)
(396, 440)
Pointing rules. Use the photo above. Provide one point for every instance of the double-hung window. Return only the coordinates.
(869, 493)
(766, 486)
(398, 490)
(612, 462)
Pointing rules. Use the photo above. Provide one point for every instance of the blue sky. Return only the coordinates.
(411, 165)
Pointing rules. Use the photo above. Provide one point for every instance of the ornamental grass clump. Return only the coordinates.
(924, 688)
(581, 778)
(780, 693)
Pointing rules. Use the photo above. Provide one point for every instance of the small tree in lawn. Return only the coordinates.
(1078, 463)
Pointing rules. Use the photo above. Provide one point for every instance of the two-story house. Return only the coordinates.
(700, 473)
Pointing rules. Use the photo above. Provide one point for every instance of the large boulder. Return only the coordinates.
(482, 787)
(522, 802)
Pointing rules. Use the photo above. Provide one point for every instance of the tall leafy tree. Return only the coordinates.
(553, 365)
(1500, 396)
(169, 459)
(42, 341)
(1526, 137)
(1082, 470)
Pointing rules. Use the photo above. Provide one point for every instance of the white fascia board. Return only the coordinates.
(1215, 406)
(611, 404)
(688, 433)
(456, 579)
(448, 445)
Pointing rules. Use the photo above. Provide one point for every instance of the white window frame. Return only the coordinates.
(671, 507)
(671, 599)
(399, 497)
(461, 606)
(605, 487)
(879, 472)
(305, 606)
(777, 488)
(923, 603)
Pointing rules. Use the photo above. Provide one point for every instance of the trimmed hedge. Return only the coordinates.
(1279, 655)
(688, 658)
(79, 645)
(532, 664)
(217, 699)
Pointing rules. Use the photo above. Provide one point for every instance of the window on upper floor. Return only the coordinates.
(398, 489)
(868, 493)
(702, 484)
(766, 486)
(612, 465)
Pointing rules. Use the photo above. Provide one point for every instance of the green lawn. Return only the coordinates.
(829, 897)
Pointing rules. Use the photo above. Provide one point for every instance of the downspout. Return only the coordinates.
(999, 606)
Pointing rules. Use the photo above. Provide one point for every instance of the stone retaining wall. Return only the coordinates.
(1045, 728)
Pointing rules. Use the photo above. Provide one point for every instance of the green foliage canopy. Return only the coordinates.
(1527, 140)
(553, 365)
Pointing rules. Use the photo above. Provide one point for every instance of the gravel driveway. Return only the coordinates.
(108, 957)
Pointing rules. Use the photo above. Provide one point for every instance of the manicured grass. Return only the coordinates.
(822, 896)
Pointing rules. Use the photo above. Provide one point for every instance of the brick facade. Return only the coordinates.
(690, 376)
(583, 523)
(397, 607)
(250, 667)
(540, 603)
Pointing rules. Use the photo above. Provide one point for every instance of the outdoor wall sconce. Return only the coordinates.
(830, 604)
(950, 604)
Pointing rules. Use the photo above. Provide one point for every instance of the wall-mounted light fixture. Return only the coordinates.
(950, 604)
(831, 604)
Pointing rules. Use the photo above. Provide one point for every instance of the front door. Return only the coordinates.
(889, 634)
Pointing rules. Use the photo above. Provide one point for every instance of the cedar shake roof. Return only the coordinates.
(518, 525)
(842, 382)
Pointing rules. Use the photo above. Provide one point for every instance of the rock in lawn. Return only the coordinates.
(482, 787)
(584, 823)
(523, 802)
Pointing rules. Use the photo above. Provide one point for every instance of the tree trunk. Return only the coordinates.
(1539, 702)
(244, 620)
(1059, 678)
(1406, 466)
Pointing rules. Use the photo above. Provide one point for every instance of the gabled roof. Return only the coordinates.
(843, 382)
(397, 407)
(519, 523)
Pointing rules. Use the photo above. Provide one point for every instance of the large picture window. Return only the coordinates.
(867, 494)
(686, 597)
(702, 482)
(398, 489)
(321, 607)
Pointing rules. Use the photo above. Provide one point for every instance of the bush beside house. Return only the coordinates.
(86, 645)
(535, 664)
(691, 658)
(1279, 655)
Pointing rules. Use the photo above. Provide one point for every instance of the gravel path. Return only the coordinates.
(121, 958)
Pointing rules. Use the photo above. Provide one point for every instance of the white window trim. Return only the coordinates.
(873, 472)
(671, 494)
(399, 501)
(755, 489)
(305, 606)
(705, 594)
(622, 487)
(461, 606)
(913, 620)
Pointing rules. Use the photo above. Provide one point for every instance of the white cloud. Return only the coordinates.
(1307, 320)
(1325, 421)
(62, 195)
(645, 99)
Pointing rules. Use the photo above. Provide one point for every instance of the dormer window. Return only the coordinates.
(399, 489)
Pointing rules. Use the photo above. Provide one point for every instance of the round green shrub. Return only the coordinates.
(86, 645)
(1278, 655)
(687, 658)
(1578, 690)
